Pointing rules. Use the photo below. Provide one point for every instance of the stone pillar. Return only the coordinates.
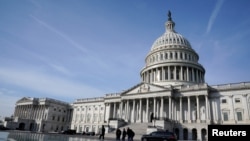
(163, 74)
(180, 109)
(170, 109)
(188, 77)
(133, 113)
(175, 74)
(169, 72)
(192, 74)
(154, 107)
(127, 112)
(181, 73)
(121, 110)
(147, 104)
(104, 115)
(198, 109)
(162, 107)
(189, 112)
(247, 108)
(207, 111)
(114, 110)
(140, 111)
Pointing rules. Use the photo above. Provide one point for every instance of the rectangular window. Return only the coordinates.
(223, 101)
(237, 100)
(239, 116)
(225, 116)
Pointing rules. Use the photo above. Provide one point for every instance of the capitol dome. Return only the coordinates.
(172, 61)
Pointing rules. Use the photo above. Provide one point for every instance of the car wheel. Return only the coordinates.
(144, 139)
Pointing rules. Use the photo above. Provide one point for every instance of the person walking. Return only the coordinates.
(118, 134)
(102, 133)
(130, 134)
(124, 133)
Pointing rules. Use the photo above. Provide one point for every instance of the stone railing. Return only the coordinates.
(89, 99)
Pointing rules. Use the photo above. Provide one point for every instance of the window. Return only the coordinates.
(223, 101)
(225, 116)
(237, 100)
(166, 55)
(161, 57)
(239, 116)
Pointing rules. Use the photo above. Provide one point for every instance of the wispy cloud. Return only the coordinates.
(61, 34)
(45, 83)
(214, 15)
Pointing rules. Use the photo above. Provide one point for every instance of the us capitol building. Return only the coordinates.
(172, 95)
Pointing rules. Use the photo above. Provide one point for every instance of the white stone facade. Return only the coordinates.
(41, 115)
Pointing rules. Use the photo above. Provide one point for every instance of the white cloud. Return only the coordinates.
(214, 15)
(61, 34)
(46, 83)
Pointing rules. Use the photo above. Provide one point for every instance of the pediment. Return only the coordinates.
(144, 88)
(25, 100)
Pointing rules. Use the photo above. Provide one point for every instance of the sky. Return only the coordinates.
(73, 49)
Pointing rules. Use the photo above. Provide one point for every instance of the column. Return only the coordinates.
(197, 109)
(140, 111)
(127, 110)
(99, 114)
(163, 73)
(162, 105)
(121, 109)
(169, 72)
(154, 107)
(114, 110)
(188, 116)
(247, 107)
(147, 103)
(104, 111)
(175, 74)
(188, 74)
(181, 73)
(192, 74)
(133, 113)
(180, 109)
(169, 106)
(207, 116)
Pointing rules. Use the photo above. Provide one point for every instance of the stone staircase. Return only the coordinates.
(138, 128)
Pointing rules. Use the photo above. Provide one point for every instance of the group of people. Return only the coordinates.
(129, 133)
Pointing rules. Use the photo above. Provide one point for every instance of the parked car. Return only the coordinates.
(159, 136)
(69, 131)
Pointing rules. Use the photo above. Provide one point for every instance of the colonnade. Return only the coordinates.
(165, 73)
(141, 109)
(30, 111)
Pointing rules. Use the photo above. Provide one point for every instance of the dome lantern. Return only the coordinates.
(169, 24)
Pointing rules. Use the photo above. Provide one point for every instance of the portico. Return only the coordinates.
(140, 106)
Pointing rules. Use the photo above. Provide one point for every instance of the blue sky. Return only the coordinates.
(71, 49)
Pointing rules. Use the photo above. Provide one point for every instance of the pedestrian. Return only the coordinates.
(124, 133)
(129, 134)
(102, 133)
(118, 134)
(132, 135)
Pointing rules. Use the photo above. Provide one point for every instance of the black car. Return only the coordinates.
(159, 136)
(70, 132)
